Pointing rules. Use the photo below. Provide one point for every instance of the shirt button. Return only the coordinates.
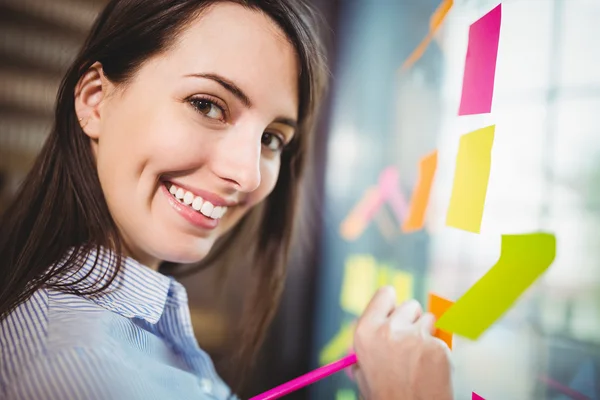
(206, 385)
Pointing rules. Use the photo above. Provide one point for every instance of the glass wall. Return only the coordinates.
(544, 176)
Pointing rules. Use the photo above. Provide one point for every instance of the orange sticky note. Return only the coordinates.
(420, 198)
(438, 306)
(358, 219)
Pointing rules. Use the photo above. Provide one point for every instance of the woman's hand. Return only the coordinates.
(398, 358)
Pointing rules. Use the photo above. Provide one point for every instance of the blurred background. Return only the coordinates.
(544, 176)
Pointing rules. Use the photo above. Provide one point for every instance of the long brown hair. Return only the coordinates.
(61, 206)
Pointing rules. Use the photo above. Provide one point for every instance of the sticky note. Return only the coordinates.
(390, 191)
(476, 397)
(473, 163)
(480, 64)
(360, 216)
(338, 345)
(438, 306)
(359, 283)
(345, 394)
(420, 198)
(403, 282)
(523, 258)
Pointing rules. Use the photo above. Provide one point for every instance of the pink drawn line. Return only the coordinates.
(386, 191)
(388, 185)
(574, 394)
(371, 208)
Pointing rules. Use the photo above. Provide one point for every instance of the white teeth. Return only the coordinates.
(197, 203)
(207, 208)
(188, 198)
(216, 213)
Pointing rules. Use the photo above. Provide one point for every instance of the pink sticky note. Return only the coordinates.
(480, 64)
(477, 397)
(390, 191)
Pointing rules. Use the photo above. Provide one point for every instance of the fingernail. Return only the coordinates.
(390, 289)
(413, 307)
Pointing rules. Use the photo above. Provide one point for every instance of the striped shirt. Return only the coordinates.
(134, 341)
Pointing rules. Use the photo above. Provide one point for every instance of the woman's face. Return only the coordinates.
(193, 141)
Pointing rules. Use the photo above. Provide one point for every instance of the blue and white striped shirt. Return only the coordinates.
(133, 342)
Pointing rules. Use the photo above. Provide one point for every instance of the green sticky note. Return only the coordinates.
(338, 346)
(523, 259)
(345, 394)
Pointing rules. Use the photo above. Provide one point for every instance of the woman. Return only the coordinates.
(180, 134)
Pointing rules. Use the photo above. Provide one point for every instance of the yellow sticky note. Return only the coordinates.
(473, 164)
(359, 283)
(403, 283)
(345, 394)
(523, 258)
(338, 346)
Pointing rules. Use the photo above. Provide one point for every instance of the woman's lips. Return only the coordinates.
(196, 218)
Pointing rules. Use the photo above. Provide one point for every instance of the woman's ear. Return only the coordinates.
(89, 94)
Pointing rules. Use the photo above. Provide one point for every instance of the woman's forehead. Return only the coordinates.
(245, 47)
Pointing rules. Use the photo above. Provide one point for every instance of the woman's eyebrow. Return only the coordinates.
(240, 95)
(287, 121)
(227, 85)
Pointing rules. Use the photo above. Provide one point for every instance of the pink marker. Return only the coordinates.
(307, 379)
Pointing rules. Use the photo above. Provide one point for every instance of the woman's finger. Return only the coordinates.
(427, 323)
(406, 314)
(361, 381)
(380, 306)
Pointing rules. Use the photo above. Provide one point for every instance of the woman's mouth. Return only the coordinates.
(196, 203)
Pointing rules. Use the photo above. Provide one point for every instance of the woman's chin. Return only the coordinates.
(184, 251)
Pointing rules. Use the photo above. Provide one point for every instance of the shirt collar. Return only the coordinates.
(136, 292)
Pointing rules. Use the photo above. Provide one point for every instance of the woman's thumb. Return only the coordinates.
(427, 323)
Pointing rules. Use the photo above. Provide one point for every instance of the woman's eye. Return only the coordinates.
(272, 141)
(208, 109)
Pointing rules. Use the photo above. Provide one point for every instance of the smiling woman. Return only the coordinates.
(177, 125)
(179, 138)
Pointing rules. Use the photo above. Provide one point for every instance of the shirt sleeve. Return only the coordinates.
(82, 373)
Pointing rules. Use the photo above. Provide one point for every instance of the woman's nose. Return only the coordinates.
(237, 160)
